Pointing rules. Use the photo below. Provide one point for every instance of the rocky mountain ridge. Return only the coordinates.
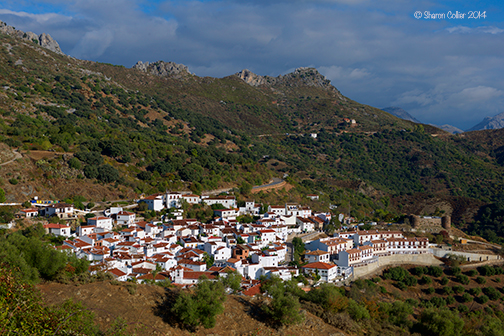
(303, 76)
(44, 40)
(495, 122)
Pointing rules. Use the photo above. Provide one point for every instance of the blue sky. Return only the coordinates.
(443, 70)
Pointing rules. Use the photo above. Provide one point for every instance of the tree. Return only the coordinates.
(22, 313)
(245, 188)
(284, 308)
(2, 196)
(398, 312)
(232, 280)
(298, 245)
(208, 259)
(142, 206)
(357, 311)
(107, 173)
(192, 172)
(75, 163)
(202, 306)
(328, 296)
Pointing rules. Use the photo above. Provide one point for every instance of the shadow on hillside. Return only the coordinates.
(164, 305)
(253, 309)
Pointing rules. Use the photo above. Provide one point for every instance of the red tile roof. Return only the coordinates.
(319, 265)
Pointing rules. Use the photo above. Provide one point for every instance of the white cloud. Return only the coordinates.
(467, 30)
(479, 93)
(39, 18)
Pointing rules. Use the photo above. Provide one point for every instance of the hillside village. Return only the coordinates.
(181, 250)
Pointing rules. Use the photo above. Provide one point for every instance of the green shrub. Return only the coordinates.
(486, 270)
(480, 280)
(444, 281)
(418, 271)
(450, 300)
(458, 289)
(475, 291)
(466, 297)
(430, 290)
(401, 285)
(75, 163)
(410, 281)
(396, 273)
(455, 271)
(425, 280)
(438, 301)
(447, 290)
(482, 299)
(13, 181)
(492, 293)
(435, 271)
(463, 279)
(472, 272)
(462, 308)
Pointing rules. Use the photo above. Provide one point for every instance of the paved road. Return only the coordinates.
(272, 183)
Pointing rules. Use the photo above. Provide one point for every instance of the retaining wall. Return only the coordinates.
(442, 253)
(394, 260)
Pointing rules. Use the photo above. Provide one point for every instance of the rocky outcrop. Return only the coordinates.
(251, 78)
(163, 69)
(44, 40)
(300, 77)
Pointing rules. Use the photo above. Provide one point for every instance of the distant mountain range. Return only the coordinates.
(400, 113)
(496, 122)
(450, 129)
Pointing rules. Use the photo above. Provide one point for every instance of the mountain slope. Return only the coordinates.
(495, 122)
(158, 127)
